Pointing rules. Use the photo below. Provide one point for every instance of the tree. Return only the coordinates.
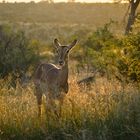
(132, 15)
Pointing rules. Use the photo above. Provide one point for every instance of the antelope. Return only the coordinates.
(52, 80)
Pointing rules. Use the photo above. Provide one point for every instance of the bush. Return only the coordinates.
(101, 49)
(18, 53)
(131, 56)
(114, 56)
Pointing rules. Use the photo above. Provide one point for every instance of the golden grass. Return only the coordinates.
(105, 112)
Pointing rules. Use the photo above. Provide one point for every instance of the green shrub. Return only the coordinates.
(114, 56)
(101, 49)
(131, 56)
(18, 52)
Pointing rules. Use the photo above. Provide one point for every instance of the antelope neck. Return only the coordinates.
(64, 71)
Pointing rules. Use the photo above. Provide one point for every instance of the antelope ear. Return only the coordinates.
(56, 43)
(72, 44)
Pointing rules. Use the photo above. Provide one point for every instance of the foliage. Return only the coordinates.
(18, 52)
(114, 56)
(131, 57)
(136, 26)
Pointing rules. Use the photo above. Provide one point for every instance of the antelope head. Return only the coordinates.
(63, 51)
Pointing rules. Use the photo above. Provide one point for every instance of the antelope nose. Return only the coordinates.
(60, 62)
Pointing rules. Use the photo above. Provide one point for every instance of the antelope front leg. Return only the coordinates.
(66, 88)
(61, 101)
(51, 107)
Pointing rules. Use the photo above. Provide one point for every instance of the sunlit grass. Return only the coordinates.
(106, 112)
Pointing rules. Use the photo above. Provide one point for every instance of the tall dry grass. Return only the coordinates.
(107, 111)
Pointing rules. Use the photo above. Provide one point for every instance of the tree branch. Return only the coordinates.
(136, 3)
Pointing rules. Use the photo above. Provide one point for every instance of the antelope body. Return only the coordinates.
(52, 80)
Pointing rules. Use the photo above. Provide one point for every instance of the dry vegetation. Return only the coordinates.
(107, 111)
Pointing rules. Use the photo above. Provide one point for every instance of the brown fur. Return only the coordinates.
(51, 80)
